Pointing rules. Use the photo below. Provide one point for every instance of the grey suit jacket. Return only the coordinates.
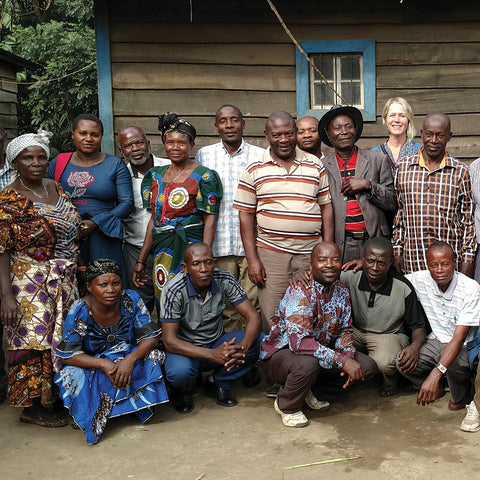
(375, 167)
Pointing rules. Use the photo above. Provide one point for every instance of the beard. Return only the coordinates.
(313, 149)
(140, 161)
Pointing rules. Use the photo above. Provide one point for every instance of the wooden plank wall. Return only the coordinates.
(192, 69)
(8, 99)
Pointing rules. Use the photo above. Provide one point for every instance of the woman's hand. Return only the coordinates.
(109, 368)
(123, 372)
(9, 310)
(138, 275)
(86, 228)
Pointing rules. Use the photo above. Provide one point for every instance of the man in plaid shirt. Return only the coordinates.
(434, 202)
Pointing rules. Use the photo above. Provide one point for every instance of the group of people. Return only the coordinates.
(330, 270)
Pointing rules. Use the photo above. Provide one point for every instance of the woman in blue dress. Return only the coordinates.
(99, 186)
(112, 367)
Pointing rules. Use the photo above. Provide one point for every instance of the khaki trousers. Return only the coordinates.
(238, 267)
(383, 349)
(279, 268)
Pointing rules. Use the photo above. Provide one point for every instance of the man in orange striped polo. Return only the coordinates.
(285, 210)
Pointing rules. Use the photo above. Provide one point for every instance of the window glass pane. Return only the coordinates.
(347, 92)
(327, 96)
(350, 67)
(356, 67)
(356, 94)
(346, 67)
(325, 64)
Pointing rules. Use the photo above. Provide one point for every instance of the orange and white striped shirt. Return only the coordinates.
(286, 204)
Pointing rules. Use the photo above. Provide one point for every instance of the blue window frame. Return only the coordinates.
(355, 57)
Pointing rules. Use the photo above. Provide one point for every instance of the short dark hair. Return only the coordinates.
(379, 243)
(279, 115)
(438, 245)
(227, 105)
(87, 116)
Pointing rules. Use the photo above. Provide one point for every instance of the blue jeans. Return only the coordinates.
(181, 372)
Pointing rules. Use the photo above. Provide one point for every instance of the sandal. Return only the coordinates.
(388, 392)
(48, 421)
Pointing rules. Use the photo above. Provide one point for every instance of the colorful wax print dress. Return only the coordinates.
(88, 392)
(42, 240)
(178, 210)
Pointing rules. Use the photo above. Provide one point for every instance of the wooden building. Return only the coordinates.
(192, 56)
(10, 64)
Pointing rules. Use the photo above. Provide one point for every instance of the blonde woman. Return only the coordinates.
(397, 115)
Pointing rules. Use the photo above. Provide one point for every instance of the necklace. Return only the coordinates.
(181, 171)
(36, 194)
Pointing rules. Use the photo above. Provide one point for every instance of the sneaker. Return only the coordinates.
(471, 422)
(314, 403)
(297, 419)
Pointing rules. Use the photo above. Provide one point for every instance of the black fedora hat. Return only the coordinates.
(335, 111)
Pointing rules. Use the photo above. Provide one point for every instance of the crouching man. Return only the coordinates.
(191, 309)
(311, 339)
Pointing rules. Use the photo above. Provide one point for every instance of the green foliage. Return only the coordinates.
(62, 45)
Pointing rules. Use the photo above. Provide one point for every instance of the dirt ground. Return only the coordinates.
(393, 438)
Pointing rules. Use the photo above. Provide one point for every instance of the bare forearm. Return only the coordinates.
(83, 360)
(247, 232)
(5, 282)
(143, 348)
(187, 349)
(328, 222)
(147, 243)
(209, 228)
(418, 337)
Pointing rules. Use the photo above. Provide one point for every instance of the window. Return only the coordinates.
(348, 66)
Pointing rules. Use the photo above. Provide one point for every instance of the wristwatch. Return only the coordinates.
(442, 368)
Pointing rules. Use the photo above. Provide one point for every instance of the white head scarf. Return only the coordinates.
(40, 139)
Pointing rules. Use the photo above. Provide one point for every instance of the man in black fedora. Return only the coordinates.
(361, 183)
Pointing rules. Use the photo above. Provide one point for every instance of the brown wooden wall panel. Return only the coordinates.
(157, 145)
(221, 33)
(215, 53)
(8, 97)
(403, 53)
(447, 100)
(429, 76)
(197, 102)
(204, 125)
(176, 76)
(9, 86)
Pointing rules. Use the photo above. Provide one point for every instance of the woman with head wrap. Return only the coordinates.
(108, 347)
(100, 187)
(397, 115)
(184, 199)
(39, 232)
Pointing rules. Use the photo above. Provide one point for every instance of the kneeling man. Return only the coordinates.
(311, 337)
(191, 309)
(451, 302)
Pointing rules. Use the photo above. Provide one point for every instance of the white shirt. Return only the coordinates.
(229, 168)
(135, 225)
(458, 305)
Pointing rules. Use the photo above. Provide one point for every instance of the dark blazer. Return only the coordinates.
(375, 167)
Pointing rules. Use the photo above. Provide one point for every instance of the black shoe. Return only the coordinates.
(222, 397)
(272, 388)
(252, 378)
(182, 402)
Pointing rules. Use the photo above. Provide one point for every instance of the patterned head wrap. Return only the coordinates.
(100, 267)
(169, 123)
(40, 139)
